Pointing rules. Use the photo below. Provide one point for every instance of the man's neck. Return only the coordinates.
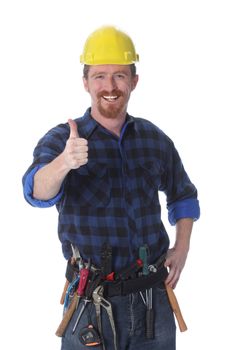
(114, 125)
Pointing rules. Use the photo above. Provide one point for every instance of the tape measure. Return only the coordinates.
(89, 336)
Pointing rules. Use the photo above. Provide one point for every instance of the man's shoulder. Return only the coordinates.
(57, 132)
(63, 128)
(145, 125)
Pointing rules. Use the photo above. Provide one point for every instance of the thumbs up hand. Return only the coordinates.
(76, 150)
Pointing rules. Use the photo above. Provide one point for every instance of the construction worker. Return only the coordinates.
(103, 172)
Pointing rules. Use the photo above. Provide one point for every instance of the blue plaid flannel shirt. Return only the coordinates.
(114, 199)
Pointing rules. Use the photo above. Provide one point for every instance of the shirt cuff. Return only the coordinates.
(28, 191)
(187, 208)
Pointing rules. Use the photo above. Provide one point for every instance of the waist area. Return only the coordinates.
(130, 280)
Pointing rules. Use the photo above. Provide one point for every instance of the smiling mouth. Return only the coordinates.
(110, 98)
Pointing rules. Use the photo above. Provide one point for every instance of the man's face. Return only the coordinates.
(110, 87)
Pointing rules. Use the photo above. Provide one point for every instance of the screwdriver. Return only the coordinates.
(84, 273)
(149, 315)
(143, 254)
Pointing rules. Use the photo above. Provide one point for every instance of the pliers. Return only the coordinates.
(99, 301)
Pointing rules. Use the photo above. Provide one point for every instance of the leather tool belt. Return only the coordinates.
(133, 285)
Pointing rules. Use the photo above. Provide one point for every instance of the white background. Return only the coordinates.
(186, 88)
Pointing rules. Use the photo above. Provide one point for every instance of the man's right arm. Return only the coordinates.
(48, 179)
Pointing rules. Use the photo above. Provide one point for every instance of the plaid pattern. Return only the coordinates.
(114, 197)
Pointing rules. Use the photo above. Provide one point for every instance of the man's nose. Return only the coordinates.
(110, 83)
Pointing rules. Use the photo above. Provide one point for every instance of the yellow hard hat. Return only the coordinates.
(108, 45)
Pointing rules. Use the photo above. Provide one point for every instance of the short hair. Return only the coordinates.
(87, 67)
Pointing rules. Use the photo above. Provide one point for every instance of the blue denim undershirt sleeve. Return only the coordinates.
(28, 190)
(187, 208)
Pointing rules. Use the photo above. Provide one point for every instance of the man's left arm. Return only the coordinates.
(177, 255)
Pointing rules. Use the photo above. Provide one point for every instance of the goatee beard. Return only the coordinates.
(111, 111)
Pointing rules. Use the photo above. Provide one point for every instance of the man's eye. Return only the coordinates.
(99, 76)
(120, 76)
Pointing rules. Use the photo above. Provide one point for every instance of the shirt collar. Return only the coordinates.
(87, 124)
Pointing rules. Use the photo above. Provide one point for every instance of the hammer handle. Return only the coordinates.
(64, 292)
(176, 309)
(69, 278)
(68, 315)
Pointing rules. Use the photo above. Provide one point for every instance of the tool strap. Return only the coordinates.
(70, 270)
(133, 285)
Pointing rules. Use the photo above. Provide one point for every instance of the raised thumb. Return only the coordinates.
(73, 129)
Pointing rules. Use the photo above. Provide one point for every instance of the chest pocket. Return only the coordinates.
(90, 185)
(144, 182)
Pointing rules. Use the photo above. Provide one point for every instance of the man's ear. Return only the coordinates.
(134, 81)
(85, 84)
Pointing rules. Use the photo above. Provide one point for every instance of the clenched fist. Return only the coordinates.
(76, 150)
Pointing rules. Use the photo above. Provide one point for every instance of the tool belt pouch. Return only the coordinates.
(70, 271)
(134, 285)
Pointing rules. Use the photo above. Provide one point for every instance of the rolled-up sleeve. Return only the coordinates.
(187, 208)
(181, 193)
